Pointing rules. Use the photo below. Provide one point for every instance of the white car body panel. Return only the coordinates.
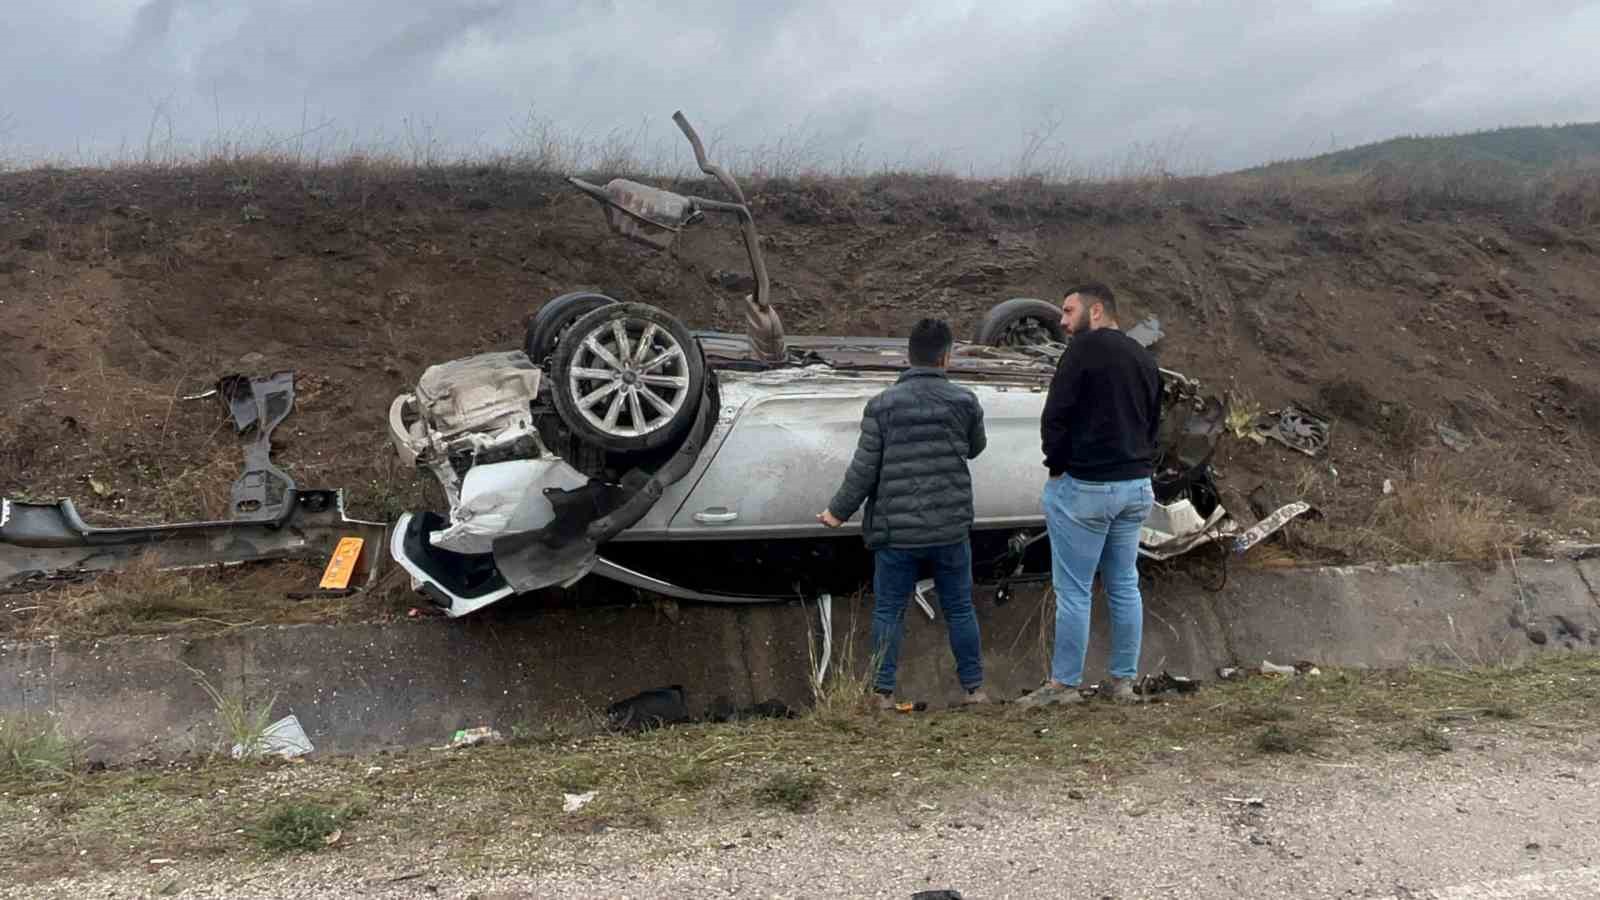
(783, 444)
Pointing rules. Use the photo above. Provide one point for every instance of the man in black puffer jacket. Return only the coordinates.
(910, 468)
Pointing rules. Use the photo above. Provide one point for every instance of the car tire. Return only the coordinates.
(1022, 321)
(544, 329)
(647, 403)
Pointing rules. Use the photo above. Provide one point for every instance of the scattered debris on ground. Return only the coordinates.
(283, 738)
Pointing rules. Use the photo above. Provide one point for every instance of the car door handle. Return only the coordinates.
(716, 515)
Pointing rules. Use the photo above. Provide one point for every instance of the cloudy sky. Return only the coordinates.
(963, 85)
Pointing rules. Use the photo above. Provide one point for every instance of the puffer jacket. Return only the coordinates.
(910, 465)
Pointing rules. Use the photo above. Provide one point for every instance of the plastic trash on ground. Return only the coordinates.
(283, 738)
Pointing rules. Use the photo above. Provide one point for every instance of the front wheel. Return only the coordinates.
(1022, 322)
(628, 377)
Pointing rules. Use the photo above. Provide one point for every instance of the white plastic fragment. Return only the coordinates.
(283, 738)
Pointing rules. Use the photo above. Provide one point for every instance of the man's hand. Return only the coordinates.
(827, 518)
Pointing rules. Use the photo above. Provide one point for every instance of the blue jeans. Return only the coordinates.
(1094, 526)
(894, 579)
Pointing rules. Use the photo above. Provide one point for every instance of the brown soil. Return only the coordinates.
(123, 291)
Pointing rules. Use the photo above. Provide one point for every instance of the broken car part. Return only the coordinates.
(263, 491)
(1294, 428)
(655, 217)
(825, 614)
(1270, 525)
(1151, 685)
(43, 538)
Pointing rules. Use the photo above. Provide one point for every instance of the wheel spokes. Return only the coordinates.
(614, 411)
(619, 330)
(666, 409)
(667, 355)
(645, 342)
(635, 410)
(629, 367)
(590, 399)
(604, 355)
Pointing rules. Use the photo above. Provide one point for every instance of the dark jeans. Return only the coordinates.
(894, 580)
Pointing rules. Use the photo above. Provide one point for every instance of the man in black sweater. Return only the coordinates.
(1099, 435)
(910, 468)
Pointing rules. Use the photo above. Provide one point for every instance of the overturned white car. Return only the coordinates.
(619, 443)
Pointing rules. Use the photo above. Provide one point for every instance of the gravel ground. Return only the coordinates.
(1496, 818)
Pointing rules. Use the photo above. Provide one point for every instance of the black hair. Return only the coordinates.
(1095, 291)
(930, 338)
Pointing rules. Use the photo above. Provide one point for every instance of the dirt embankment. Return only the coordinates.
(122, 292)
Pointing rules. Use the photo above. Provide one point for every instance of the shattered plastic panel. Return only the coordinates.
(504, 498)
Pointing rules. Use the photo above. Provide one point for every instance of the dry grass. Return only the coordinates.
(1439, 511)
(846, 690)
(144, 599)
(127, 602)
(1043, 181)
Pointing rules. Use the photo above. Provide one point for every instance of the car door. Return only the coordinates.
(787, 451)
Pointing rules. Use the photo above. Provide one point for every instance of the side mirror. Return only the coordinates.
(642, 213)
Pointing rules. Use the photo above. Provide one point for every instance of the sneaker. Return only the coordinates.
(883, 701)
(1049, 694)
(1120, 690)
(975, 697)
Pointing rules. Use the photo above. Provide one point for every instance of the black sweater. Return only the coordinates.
(1103, 410)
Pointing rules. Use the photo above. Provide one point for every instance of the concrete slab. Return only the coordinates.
(363, 687)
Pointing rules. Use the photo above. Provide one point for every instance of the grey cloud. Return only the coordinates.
(1215, 85)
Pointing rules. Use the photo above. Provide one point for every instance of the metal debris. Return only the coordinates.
(1270, 525)
(1295, 428)
(263, 491)
(50, 541)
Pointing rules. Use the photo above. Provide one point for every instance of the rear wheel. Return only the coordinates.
(1022, 322)
(628, 377)
(545, 329)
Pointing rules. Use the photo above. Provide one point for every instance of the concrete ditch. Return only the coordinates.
(368, 687)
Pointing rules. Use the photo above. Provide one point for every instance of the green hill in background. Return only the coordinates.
(1530, 149)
